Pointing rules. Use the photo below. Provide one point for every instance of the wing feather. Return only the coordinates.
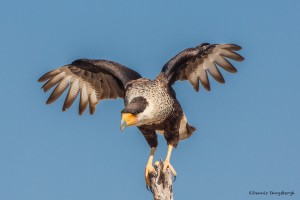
(204, 79)
(194, 80)
(83, 99)
(215, 73)
(231, 54)
(93, 101)
(49, 75)
(72, 94)
(92, 79)
(232, 47)
(225, 64)
(60, 88)
(193, 64)
(106, 88)
(53, 81)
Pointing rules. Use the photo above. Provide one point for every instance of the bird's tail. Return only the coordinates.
(190, 130)
(185, 130)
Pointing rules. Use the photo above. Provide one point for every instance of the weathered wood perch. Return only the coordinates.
(161, 183)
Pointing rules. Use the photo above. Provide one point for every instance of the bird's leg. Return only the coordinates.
(149, 168)
(167, 161)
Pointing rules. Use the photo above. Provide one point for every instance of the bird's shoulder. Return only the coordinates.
(137, 82)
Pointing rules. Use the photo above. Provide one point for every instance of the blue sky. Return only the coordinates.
(247, 129)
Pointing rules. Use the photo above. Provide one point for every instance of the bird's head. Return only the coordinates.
(132, 114)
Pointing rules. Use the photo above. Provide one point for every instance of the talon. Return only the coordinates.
(149, 169)
(168, 165)
(174, 179)
(149, 189)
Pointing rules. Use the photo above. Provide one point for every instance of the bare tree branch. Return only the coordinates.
(161, 183)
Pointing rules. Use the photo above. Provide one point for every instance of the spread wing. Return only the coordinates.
(93, 79)
(193, 64)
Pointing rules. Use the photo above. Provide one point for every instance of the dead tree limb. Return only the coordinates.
(161, 183)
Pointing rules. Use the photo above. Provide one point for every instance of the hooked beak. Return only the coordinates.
(123, 125)
(128, 119)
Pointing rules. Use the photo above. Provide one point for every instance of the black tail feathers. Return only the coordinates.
(190, 130)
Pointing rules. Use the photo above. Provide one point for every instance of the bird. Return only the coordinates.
(150, 105)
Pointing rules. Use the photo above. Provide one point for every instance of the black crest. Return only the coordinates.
(136, 105)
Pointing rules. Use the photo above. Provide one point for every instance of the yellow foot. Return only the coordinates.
(149, 169)
(167, 164)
